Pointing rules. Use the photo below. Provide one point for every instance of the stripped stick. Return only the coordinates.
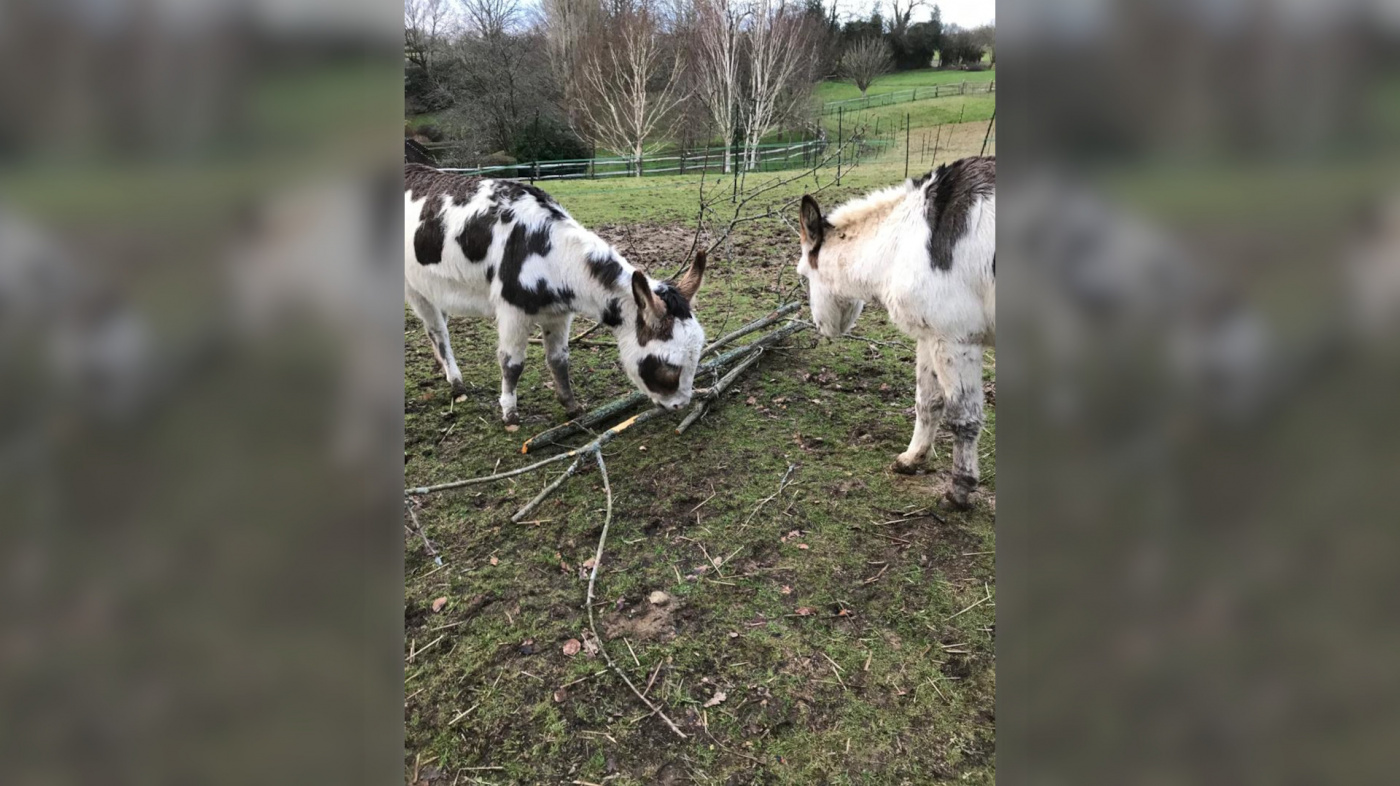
(592, 447)
(486, 479)
(582, 422)
(757, 324)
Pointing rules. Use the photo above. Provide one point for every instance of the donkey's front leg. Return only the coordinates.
(513, 329)
(960, 371)
(556, 353)
(928, 410)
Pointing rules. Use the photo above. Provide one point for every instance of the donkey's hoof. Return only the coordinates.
(904, 469)
(459, 389)
(958, 500)
(573, 410)
(512, 420)
(959, 496)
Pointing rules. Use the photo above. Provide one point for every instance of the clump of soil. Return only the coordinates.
(644, 621)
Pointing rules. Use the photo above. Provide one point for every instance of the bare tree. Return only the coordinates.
(900, 13)
(865, 60)
(426, 24)
(986, 37)
(778, 40)
(630, 81)
(489, 19)
(568, 24)
(717, 42)
(501, 79)
(427, 27)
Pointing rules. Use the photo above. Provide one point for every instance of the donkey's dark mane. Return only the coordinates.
(954, 189)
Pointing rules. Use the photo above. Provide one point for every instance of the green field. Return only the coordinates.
(841, 650)
(841, 89)
(920, 114)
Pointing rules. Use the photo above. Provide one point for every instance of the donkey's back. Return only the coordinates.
(946, 239)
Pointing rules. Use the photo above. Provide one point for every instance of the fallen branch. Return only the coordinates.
(588, 601)
(618, 406)
(716, 391)
(582, 422)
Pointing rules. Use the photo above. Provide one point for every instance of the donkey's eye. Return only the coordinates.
(659, 376)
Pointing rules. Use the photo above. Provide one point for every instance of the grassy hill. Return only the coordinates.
(841, 89)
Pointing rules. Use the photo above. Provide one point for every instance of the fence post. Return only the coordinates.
(734, 165)
(906, 144)
(840, 121)
(534, 171)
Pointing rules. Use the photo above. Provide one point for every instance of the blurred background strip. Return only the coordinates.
(199, 401)
(1199, 454)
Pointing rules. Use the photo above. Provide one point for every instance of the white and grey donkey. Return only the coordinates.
(926, 250)
(475, 246)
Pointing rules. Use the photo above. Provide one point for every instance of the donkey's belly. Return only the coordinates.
(454, 298)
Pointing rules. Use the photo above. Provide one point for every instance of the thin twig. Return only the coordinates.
(654, 672)
(584, 678)
(782, 484)
(486, 478)
(426, 543)
(588, 601)
(534, 503)
(975, 605)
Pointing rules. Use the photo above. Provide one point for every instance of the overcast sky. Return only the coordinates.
(965, 13)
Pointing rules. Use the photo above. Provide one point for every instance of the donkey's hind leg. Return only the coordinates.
(960, 371)
(435, 323)
(556, 353)
(928, 410)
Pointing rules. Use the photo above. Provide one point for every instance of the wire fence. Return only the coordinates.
(913, 94)
(863, 141)
(720, 160)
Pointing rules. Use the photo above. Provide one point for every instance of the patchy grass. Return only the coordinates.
(840, 648)
(842, 89)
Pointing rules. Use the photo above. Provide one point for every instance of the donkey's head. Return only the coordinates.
(832, 314)
(661, 350)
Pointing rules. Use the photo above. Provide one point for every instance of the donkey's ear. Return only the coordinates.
(811, 225)
(649, 306)
(690, 283)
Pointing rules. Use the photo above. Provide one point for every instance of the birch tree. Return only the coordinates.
(630, 82)
(778, 44)
(718, 40)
